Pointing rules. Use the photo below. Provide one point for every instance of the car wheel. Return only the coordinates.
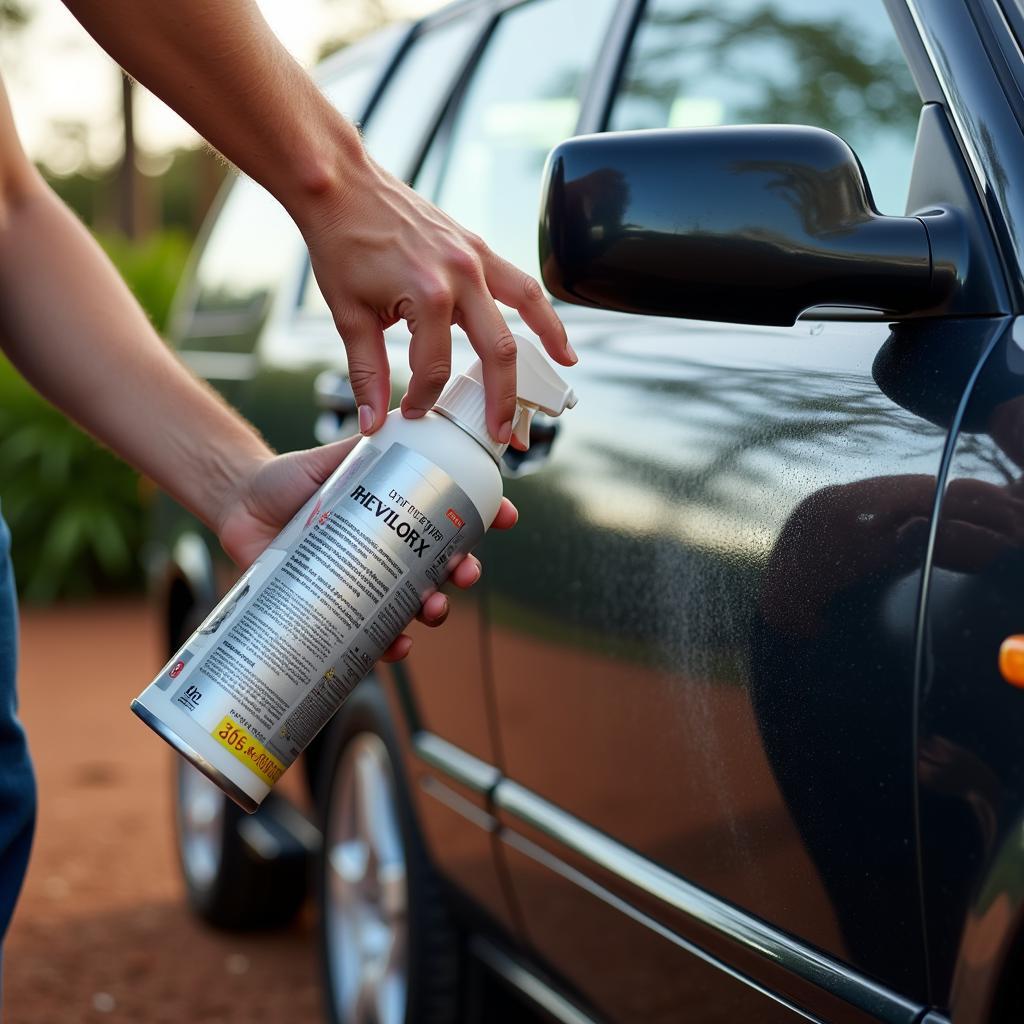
(232, 882)
(389, 946)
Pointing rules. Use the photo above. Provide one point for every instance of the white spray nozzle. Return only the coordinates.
(538, 387)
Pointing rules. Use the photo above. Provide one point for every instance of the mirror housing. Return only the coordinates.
(750, 224)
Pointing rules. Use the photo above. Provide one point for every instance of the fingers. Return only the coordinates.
(494, 344)
(436, 607)
(368, 370)
(508, 284)
(430, 351)
(399, 649)
(467, 572)
(507, 517)
(433, 613)
(435, 610)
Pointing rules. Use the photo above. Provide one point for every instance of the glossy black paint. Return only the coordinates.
(747, 224)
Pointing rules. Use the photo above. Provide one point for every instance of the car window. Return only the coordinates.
(248, 250)
(834, 65)
(523, 98)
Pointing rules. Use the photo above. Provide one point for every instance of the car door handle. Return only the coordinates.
(332, 394)
(543, 431)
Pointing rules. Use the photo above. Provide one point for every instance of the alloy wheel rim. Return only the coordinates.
(366, 924)
(200, 825)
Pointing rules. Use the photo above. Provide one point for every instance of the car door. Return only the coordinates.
(702, 632)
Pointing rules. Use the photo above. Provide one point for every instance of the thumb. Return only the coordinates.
(320, 463)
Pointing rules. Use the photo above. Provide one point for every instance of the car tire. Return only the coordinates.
(229, 883)
(390, 949)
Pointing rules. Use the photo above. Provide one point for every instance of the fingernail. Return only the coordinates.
(413, 414)
(571, 352)
(478, 571)
(505, 433)
(365, 419)
(443, 614)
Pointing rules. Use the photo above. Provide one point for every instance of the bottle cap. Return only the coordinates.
(538, 388)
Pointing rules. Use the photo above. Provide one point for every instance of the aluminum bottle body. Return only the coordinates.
(285, 647)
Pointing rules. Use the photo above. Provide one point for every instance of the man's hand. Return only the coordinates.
(276, 488)
(381, 253)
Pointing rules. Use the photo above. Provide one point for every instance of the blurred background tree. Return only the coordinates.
(77, 514)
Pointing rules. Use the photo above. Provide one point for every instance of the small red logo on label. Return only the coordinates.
(455, 518)
(176, 671)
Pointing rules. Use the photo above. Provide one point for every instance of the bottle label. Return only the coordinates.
(307, 621)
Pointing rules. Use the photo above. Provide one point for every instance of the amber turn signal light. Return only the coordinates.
(1011, 659)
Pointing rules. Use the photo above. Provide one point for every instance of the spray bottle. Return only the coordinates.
(307, 621)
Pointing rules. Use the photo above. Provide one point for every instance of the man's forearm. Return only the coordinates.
(221, 68)
(73, 329)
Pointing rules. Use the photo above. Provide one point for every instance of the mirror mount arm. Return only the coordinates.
(949, 248)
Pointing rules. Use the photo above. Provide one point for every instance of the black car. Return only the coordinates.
(723, 734)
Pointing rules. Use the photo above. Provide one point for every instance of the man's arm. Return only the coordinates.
(73, 329)
(380, 252)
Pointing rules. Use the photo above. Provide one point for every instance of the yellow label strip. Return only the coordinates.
(231, 736)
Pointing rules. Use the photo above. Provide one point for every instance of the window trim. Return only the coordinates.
(606, 75)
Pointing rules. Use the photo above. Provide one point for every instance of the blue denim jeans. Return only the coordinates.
(17, 783)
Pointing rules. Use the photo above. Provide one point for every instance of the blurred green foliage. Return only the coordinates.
(76, 511)
(152, 268)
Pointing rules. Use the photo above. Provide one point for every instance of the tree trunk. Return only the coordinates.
(127, 184)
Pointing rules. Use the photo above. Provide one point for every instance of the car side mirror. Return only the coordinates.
(750, 224)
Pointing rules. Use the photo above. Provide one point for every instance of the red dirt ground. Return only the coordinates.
(102, 932)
